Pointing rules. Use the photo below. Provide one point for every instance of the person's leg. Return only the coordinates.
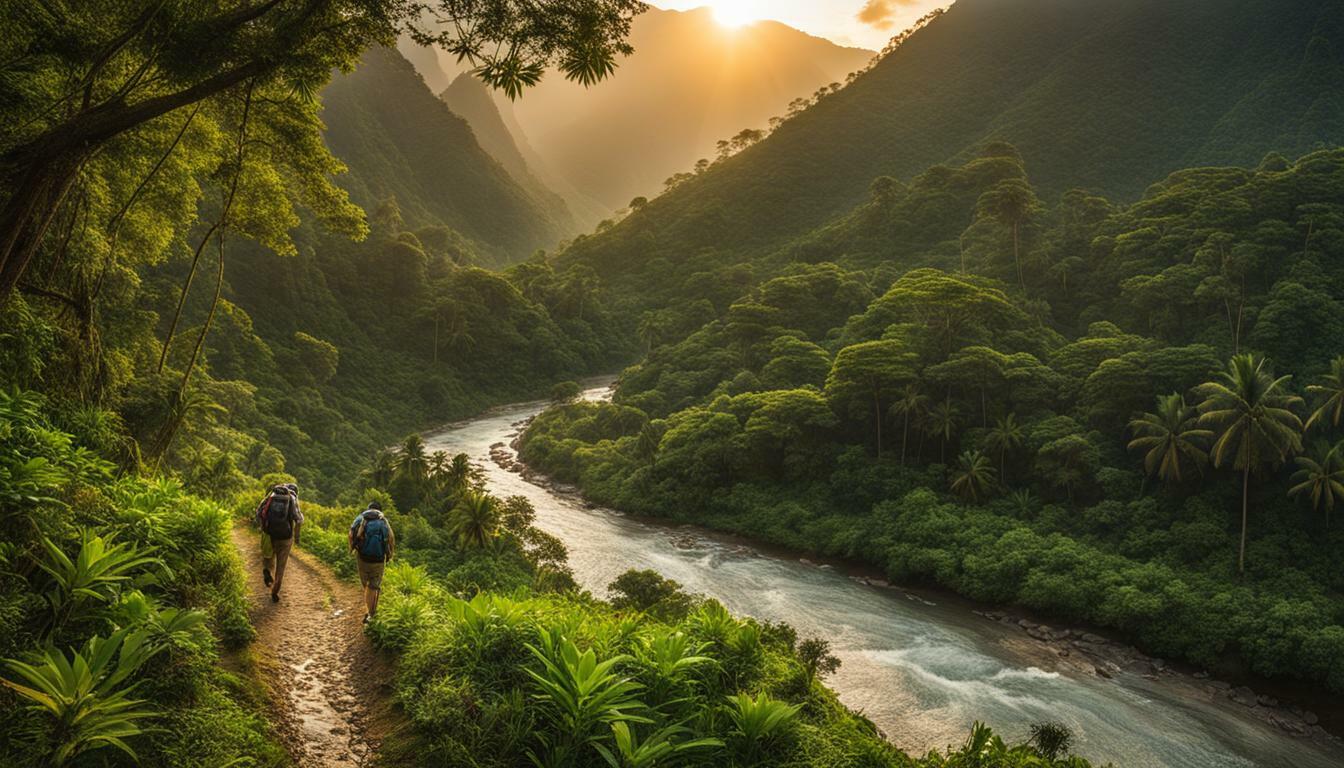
(267, 558)
(282, 547)
(373, 586)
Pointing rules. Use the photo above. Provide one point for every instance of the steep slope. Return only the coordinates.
(1105, 95)
(470, 100)
(401, 142)
(690, 82)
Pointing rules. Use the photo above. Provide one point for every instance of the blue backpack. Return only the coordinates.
(371, 538)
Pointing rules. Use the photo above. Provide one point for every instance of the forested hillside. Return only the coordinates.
(692, 83)
(1106, 96)
(402, 143)
(471, 100)
(1097, 411)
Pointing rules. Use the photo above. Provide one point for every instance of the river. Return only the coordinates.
(922, 669)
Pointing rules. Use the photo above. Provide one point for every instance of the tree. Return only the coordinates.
(871, 370)
(1252, 419)
(1011, 202)
(1170, 438)
(412, 461)
(474, 521)
(815, 654)
(974, 477)
(910, 403)
(650, 435)
(942, 421)
(1330, 393)
(1320, 477)
(565, 392)
(135, 63)
(1006, 435)
(648, 592)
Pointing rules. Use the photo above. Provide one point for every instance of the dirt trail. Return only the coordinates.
(331, 691)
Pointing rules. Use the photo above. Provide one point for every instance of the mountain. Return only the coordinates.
(402, 142)
(503, 138)
(690, 82)
(1105, 95)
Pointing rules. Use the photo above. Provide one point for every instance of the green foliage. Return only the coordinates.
(85, 693)
(141, 583)
(1022, 399)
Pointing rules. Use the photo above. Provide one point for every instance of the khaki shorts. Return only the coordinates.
(370, 574)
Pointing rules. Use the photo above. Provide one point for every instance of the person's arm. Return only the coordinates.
(391, 542)
(298, 521)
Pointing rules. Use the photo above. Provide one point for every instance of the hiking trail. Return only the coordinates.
(308, 647)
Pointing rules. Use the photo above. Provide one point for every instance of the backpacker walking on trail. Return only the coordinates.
(279, 519)
(372, 541)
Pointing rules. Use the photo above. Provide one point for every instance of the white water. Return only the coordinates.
(923, 672)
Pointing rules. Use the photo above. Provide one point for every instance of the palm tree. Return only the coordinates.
(974, 477)
(1330, 392)
(1006, 435)
(459, 473)
(650, 437)
(1012, 203)
(380, 472)
(1321, 475)
(941, 421)
(910, 402)
(1170, 438)
(1252, 418)
(412, 460)
(474, 522)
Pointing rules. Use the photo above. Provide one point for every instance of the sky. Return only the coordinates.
(865, 23)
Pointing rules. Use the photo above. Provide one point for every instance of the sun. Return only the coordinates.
(735, 13)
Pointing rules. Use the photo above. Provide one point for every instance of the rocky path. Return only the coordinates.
(330, 690)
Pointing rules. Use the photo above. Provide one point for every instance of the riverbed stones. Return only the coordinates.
(1243, 695)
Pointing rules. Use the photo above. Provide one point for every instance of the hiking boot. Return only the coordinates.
(275, 598)
(366, 618)
(266, 576)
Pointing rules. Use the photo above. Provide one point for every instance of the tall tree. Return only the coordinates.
(1171, 439)
(910, 404)
(1251, 415)
(974, 477)
(870, 371)
(1006, 435)
(1320, 477)
(1329, 393)
(95, 71)
(1012, 203)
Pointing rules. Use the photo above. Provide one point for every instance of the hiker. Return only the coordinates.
(372, 541)
(279, 519)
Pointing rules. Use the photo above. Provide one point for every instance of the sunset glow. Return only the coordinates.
(737, 13)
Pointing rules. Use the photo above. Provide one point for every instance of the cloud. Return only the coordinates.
(881, 14)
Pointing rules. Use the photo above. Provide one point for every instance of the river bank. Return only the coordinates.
(921, 665)
(1082, 650)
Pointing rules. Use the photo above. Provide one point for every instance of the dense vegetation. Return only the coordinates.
(1093, 95)
(1075, 407)
(401, 142)
(117, 598)
(502, 662)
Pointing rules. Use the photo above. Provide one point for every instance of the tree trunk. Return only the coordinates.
(182, 300)
(1016, 260)
(28, 213)
(877, 407)
(1245, 491)
(209, 320)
